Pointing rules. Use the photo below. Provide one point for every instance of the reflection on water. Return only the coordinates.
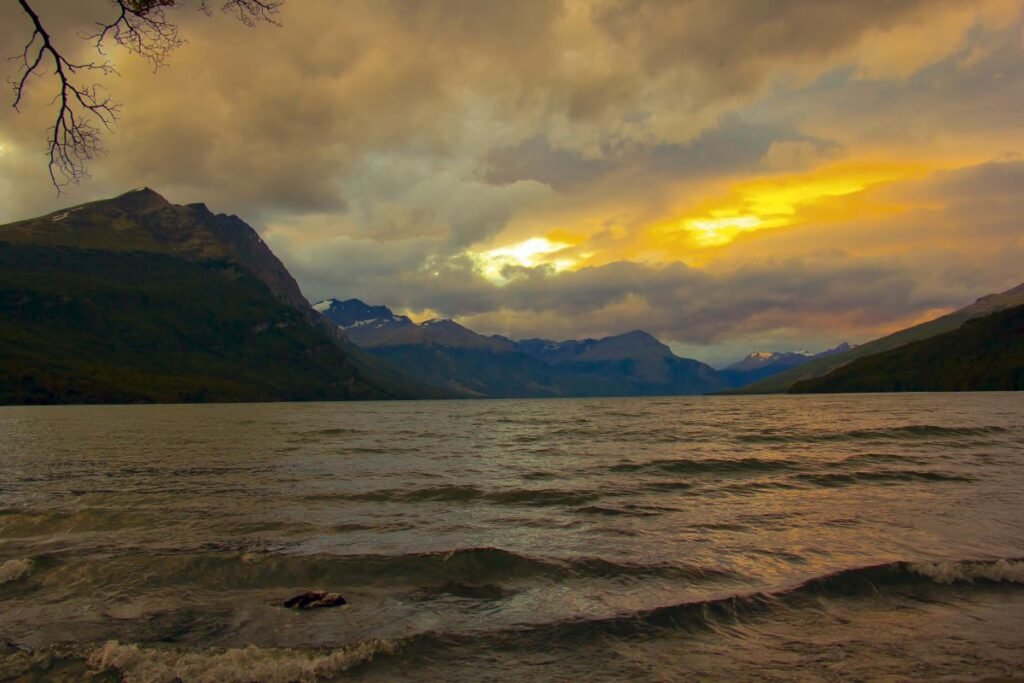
(642, 539)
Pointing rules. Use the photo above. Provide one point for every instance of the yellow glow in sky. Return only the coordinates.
(712, 232)
(528, 254)
(823, 196)
(774, 202)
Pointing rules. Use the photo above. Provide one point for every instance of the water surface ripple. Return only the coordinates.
(734, 538)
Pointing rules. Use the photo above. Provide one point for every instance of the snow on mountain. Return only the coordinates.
(758, 360)
(354, 313)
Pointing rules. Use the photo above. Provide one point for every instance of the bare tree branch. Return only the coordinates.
(85, 111)
(250, 12)
(141, 28)
(74, 138)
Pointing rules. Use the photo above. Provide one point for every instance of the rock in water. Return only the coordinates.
(315, 599)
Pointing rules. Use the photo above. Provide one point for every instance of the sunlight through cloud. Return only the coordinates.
(530, 253)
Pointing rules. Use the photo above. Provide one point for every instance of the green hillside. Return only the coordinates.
(92, 326)
(984, 354)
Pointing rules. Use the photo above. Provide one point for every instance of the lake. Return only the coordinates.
(647, 539)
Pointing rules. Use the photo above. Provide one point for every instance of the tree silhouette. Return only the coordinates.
(85, 110)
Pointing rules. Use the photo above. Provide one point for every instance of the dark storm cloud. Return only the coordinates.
(384, 146)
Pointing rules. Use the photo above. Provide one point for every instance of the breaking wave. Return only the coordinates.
(14, 570)
(1000, 571)
(135, 664)
(868, 582)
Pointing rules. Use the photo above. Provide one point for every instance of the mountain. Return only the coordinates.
(819, 367)
(983, 354)
(354, 313)
(760, 364)
(134, 299)
(646, 361)
(757, 360)
(377, 326)
(446, 354)
(144, 221)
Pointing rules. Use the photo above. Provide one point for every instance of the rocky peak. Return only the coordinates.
(353, 312)
(142, 200)
(142, 220)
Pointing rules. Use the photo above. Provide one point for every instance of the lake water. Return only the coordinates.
(732, 538)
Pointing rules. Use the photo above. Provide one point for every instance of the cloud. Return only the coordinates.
(798, 155)
(382, 146)
(783, 287)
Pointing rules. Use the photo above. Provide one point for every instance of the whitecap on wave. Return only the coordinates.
(137, 664)
(1004, 571)
(12, 570)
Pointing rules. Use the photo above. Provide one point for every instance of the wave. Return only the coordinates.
(243, 571)
(836, 479)
(876, 458)
(26, 523)
(705, 465)
(903, 433)
(999, 571)
(239, 665)
(924, 580)
(868, 582)
(630, 510)
(14, 570)
(466, 494)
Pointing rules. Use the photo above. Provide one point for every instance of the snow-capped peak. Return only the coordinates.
(321, 306)
(372, 322)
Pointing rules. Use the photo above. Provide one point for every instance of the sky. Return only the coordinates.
(728, 175)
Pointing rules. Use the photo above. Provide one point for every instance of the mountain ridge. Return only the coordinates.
(446, 353)
(982, 306)
(986, 353)
(143, 220)
(134, 299)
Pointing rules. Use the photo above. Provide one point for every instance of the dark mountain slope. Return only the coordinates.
(142, 220)
(134, 299)
(89, 326)
(822, 366)
(983, 354)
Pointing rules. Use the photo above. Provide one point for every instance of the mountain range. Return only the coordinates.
(446, 354)
(760, 364)
(135, 299)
